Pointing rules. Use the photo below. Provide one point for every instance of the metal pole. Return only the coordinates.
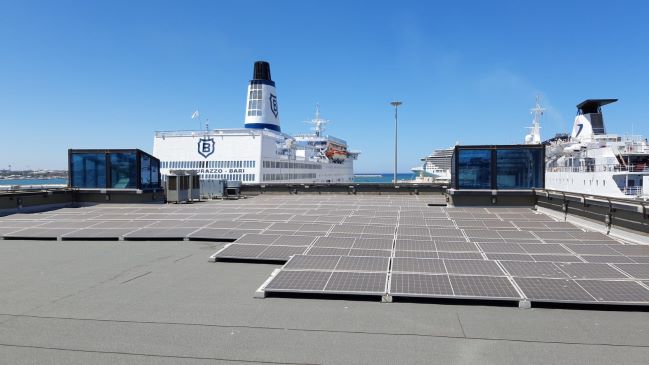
(395, 143)
(395, 104)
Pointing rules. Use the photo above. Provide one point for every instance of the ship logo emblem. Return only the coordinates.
(273, 105)
(205, 146)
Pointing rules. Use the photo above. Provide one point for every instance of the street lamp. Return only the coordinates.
(396, 105)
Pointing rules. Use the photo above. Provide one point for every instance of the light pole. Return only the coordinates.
(395, 104)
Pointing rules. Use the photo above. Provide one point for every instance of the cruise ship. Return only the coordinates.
(259, 153)
(592, 161)
(436, 167)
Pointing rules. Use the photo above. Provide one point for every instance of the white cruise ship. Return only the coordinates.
(259, 153)
(591, 161)
(436, 167)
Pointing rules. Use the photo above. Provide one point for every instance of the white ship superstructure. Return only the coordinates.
(592, 162)
(436, 167)
(259, 153)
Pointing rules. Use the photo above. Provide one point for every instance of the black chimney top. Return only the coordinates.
(262, 71)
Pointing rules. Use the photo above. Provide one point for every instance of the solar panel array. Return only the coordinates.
(389, 245)
(512, 254)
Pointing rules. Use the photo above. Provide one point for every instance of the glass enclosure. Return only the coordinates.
(499, 167)
(113, 169)
(474, 169)
(88, 170)
(519, 168)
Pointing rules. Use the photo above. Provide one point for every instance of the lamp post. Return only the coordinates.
(396, 105)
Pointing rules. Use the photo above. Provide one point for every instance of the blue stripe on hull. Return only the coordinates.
(262, 126)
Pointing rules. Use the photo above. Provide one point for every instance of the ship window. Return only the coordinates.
(254, 102)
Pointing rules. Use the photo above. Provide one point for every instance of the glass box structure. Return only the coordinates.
(498, 167)
(113, 169)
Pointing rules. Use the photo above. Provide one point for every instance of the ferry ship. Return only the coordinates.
(590, 160)
(259, 153)
(435, 168)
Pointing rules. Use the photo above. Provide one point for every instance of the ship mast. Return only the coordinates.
(535, 134)
(318, 123)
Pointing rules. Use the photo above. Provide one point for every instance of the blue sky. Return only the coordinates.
(107, 74)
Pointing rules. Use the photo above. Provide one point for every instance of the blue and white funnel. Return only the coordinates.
(261, 106)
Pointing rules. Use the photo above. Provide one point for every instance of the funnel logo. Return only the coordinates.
(273, 105)
(205, 146)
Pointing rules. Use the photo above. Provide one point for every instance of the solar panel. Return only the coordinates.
(607, 259)
(481, 233)
(93, 233)
(549, 248)
(500, 247)
(554, 290)
(367, 252)
(418, 265)
(281, 253)
(258, 239)
(509, 256)
(590, 271)
(632, 250)
(639, 271)
(556, 258)
(417, 254)
(336, 242)
(328, 251)
(460, 255)
(356, 263)
(357, 283)
(239, 251)
(592, 249)
(375, 244)
(420, 285)
(533, 269)
(309, 262)
(473, 267)
(616, 291)
(456, 246)
(486, 287)
(305, 281)
(294, 240)
(414, 245)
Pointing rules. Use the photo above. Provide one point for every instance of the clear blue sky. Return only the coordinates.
(107, 74)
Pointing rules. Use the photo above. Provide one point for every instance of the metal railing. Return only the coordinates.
(600, 168)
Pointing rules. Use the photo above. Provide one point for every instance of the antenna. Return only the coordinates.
(537, 111)
(318, 123)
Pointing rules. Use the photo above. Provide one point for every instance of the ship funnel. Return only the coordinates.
(590, 120)
(261, 104)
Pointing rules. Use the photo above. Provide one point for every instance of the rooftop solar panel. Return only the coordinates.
(356, 263)
(420, 285)
(553, 290)
(498, 247)
(456, 246)
(414, 245)
(281, 253)
(241, 251)
(460, 255)
(616, 291)
(632, 250)
(375, 244)
(357, 283)
(541, 248)
(509, 256)
(375, 253)
(579, 270)
(416, 254)
(485, 287)
(556, 258)
(639, 271)
(592, 249)
(258, 239)
(473, 267)
(337, 242)
(533, 269)
(609, 259)
(418, 265)
(306, 281)
(328, 251)
(294, 240)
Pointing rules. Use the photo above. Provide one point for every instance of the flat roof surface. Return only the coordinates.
(141, 302)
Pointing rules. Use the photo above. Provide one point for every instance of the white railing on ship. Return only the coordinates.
(632, 190)
(600, 168)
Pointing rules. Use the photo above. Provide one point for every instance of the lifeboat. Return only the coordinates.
(336, 154)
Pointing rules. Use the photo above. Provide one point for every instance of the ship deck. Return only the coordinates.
(162, 301)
